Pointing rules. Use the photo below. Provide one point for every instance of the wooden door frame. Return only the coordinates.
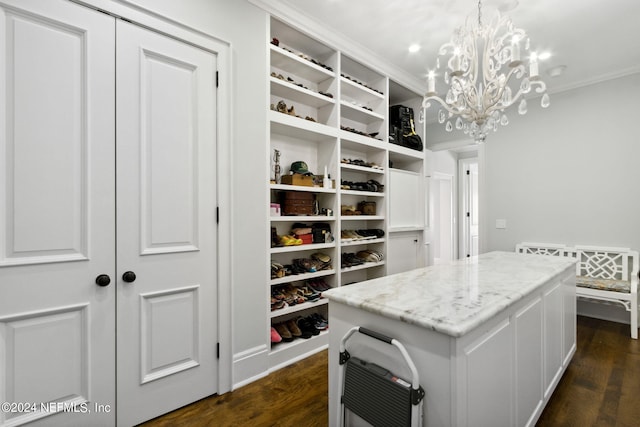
(166, 26)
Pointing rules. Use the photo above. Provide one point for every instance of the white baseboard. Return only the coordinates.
(250, 365)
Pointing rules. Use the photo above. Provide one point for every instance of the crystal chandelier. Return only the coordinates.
(486, 74)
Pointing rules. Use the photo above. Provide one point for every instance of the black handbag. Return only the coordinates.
(401, 128)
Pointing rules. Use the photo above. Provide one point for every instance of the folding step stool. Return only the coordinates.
(376, 395)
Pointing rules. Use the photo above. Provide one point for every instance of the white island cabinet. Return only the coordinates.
(490, 336)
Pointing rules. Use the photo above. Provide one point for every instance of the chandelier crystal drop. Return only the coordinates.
(485, 74)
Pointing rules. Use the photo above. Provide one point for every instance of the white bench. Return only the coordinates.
(602, 273)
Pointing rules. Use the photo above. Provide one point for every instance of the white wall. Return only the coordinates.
(567, 174)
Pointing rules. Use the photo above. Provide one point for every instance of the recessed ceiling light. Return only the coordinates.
(557, 71)
(414, 48)
(544, 55)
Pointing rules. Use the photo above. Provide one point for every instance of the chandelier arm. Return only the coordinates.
(520, 93)
(426, 103)
(506, 83)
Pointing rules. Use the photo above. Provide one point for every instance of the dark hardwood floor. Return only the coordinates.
(600, 388)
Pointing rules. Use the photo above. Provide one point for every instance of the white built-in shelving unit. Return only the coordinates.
(360, 100)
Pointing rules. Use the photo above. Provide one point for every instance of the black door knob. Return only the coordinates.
(103, 280)
(129, 276)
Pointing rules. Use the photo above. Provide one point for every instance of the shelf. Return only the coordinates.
(295, 127)
(361, 193)
(285, 353)
(403, 152)
(298, 66)
(359, 114)
(351, 89)
(307, 247)
(361, 168)
(300, 277)
(284, 89)
(286, 187)
(360, 242)
(362, 217)
(298, 307)
(363, 266)
(404, 229)
(301, 218)
(358, 142)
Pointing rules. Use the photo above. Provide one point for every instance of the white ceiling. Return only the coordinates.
(595, 39)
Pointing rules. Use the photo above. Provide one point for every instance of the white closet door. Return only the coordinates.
(56, 214)
(166, 236)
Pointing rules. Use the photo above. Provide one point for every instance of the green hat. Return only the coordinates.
(300, 167)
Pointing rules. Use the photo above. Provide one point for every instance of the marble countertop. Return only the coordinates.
(454, 298)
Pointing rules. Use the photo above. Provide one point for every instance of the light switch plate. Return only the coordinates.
(501, 223)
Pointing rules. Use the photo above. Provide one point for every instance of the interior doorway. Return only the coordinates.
(442, 196)
(468, 207)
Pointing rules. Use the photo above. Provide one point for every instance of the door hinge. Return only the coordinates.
(468, 214)
(217, 79)
(218, 350)
(468, 172)
(217, 215)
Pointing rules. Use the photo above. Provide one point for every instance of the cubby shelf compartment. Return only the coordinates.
(300, 277)
(296, 127)
(350, 138)
(298, 66)
(297, 248)
(363, 266)
(351, 89)
(285, 353)
(287, 90)
(361, 193)
(359, 114)
(301, 218)
(287, 187)
(365, 169)
(398, 150)
(298, 307)
(362, 218)
(360, 242)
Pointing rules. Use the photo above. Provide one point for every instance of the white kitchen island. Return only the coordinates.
(490, 336)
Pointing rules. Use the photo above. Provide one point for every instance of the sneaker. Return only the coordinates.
(307, 327)
(308, 324)
(319, 322)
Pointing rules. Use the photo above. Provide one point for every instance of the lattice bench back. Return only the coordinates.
(606, 263)
(542, 249)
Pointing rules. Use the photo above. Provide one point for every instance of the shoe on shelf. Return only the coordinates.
(319, 322)
(275, 336)
(293, 328)
(306, 327)
(284, 332)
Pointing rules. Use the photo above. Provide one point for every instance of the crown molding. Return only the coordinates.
(306, 24)
(595, 80)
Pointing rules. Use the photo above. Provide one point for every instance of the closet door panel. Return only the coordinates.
(46, 162)
(57, 154)
(169, 200)
(166, 132)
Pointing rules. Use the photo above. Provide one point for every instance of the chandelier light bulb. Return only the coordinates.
(486, 74)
